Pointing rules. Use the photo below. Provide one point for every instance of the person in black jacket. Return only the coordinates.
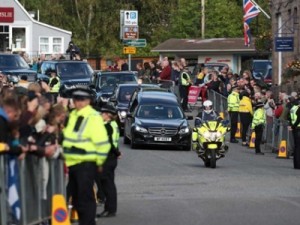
(106, 179)
(73, 50)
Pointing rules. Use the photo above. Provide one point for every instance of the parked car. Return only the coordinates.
(122, 96)
(262, 70)
(14, 66)
(105, 84)
(156, 118)
(71, 73)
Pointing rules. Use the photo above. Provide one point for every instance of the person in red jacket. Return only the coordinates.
(166, 71)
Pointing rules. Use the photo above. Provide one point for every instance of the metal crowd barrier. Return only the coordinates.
(38, 180)
(219, 103)
(275, 130)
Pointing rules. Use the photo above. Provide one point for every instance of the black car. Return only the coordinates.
(71, 73)
(14, 67)
(121, 99)
(105, 84)
(156, 118)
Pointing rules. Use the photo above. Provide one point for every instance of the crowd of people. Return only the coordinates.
(35, 121)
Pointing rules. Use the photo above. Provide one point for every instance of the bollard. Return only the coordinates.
(252, 140)
(238, 131)
(282, 152)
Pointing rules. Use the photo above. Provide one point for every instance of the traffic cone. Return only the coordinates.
(252, 140)
(238, 131)
(74, 215)
(282, 152)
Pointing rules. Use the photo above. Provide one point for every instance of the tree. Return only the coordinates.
(185, 19)
(223, 18)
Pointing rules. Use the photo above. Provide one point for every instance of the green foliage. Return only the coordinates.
(223, 19)
(96, 29)
(185, 19)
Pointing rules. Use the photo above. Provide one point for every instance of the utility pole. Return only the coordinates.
(202, 19)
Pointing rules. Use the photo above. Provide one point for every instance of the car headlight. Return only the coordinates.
(184, 130)
(123, 114)
(141, 129)
(104, 99)
(13, 78)
(72, 86)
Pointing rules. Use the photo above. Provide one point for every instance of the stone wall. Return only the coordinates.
(290, 13)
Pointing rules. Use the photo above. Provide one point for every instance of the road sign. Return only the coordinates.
(130, 18)
(284, 44)
(135, 43)
(130, 32)
(129, 50)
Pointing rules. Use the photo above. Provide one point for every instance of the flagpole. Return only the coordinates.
(266, 14)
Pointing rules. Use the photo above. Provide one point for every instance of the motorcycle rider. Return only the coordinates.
(207, 114)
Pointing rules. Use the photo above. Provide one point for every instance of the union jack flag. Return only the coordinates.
(250, 11)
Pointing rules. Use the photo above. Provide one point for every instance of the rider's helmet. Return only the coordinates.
(207, 106)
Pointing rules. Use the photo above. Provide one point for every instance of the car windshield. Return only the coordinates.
(159, 112)
(112, 80)
(12, 62)
(260, 66)
(125, 94)
(74, 70)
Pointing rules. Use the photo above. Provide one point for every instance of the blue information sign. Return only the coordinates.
(284, 44)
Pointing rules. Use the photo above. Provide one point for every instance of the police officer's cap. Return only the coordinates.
(82, 92)
(259, 104)
(109, 109)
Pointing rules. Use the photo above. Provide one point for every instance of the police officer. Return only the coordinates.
(54, 84)
(106, 180)
(86, 147)
(208, 113)
(295, 124)
(233, 102)
(184, 84)
(258, 123)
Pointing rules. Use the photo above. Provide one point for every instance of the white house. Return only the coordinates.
(20, 32)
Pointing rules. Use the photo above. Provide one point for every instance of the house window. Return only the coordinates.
(49, 45)
(57, 45)
(44, 45)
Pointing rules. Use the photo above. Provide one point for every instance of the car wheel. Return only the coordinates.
(132, 144)
(126, 140)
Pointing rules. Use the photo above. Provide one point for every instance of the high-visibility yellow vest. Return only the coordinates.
(246, 105)
(116, 133)
(185, 82)
(293, 113)
(233, 102)
(89, 141)
(55, 88)
(259, 117)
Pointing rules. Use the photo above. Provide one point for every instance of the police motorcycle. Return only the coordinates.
(208, 138)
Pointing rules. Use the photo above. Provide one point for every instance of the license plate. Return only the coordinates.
(162, 139)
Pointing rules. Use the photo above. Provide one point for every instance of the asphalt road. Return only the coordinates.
(170, 187)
